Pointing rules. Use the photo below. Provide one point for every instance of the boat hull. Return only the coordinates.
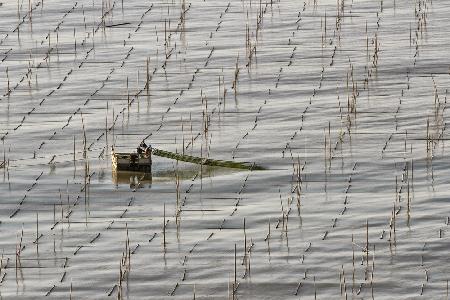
(131, 162)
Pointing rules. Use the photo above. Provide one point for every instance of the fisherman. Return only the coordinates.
(144, 149)
(148, 151)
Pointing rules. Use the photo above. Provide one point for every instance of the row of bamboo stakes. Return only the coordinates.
(353, 109)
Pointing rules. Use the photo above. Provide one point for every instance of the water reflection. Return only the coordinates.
(138, 180)
(134, 179)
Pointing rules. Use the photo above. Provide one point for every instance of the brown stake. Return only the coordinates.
(164, 226)
(235, 271)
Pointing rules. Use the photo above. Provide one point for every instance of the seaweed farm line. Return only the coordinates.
(343, 104)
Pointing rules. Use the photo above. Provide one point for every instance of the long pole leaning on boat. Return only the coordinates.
(199, 160)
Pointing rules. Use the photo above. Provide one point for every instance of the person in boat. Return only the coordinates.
(148, 151)
(144, 149)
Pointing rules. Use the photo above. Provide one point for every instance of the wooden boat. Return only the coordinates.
(142, 161)
(132, 162)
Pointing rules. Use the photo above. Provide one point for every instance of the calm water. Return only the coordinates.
(345, 105)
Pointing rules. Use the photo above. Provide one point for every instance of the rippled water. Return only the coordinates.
(344, 103)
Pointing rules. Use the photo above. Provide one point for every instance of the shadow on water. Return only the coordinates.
(184, 172)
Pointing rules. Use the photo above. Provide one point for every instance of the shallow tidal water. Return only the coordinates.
(344, 103)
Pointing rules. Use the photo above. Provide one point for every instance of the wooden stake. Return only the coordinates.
(164, 226)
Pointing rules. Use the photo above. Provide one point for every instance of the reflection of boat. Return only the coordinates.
(2, 164)
(135, 179)
(136, 162)
(131, 168)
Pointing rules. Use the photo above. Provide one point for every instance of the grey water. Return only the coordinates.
(344, 103)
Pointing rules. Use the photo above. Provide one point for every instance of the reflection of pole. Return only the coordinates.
(164, 226)
(235, 272)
